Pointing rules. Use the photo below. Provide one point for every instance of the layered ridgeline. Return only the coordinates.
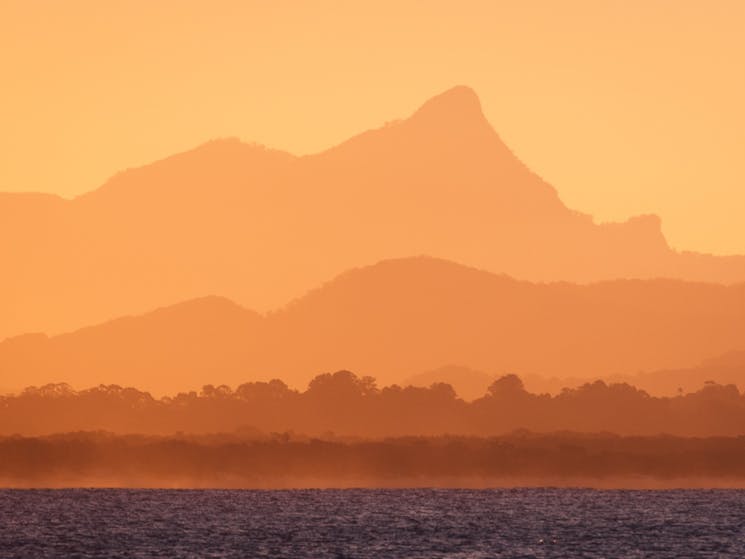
(260, 226)
(395, 319)
(470, 384)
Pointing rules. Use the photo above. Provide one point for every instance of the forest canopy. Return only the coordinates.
(345, 404)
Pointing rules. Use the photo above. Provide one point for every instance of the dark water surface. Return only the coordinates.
(372, 523)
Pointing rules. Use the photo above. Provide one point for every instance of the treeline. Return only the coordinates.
(344, 404)
(520, 459)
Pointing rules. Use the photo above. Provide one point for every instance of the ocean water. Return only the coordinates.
(372, 523)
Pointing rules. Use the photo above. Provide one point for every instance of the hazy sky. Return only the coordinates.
(626, 107)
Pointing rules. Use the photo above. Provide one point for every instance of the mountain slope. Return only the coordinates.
(394, 319)
(260, 226)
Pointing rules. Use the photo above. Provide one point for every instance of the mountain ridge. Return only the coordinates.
(259, 226)
(395, 319)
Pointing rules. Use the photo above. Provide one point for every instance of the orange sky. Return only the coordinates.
(626, 107)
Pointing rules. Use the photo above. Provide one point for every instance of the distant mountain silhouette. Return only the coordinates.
(260, 226)
(394, 319)
(468, 383)
(724, 369)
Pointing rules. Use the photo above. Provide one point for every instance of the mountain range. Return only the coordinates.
(394, 319)
(470, 384)
(260, 226)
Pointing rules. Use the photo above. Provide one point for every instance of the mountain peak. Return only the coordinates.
(457, 104)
